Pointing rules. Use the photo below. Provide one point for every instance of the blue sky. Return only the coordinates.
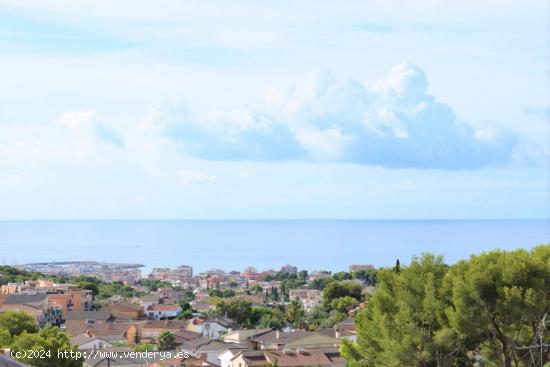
(288, 109)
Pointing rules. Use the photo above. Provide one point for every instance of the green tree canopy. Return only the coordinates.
(404, 323)
(17, 322)
(341, 289)
(344, 304)
(50, 339)
(238, 310)
(144, 348)
(295, 313)
(166, 341)
(501, 299)
(490, 310)
(5, 338)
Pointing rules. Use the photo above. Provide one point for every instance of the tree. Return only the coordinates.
(341, 289)
(215, 293)
(493, 308)
(5, 338)
(238, 310)
(228, 293)
(318, 317)
(91, 286)
(17, 322)
(154, 284)
(144, 347)
(501, 300)
(166, 341)
(368, 276)
(256, 288)
(342, 275)
(48, 341)
(344, 304)
(321, 283)
(397, 266)
(405, 323)
(269, 317)
(295, 313)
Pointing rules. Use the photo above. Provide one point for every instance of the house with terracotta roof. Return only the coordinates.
(78, 322)
(124, 310)
(113, 332)
(148, 331)
(34, 304)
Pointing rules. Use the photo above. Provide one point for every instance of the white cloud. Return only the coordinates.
(396, 125)
(15, 178)
(88, 123)
(188, 177)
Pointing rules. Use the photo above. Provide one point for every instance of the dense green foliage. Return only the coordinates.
(103, 290)
(48, 342)
(144, 348)
(16, 322)
(491, 309)
(267, 317)
(295, 314)
(341, 289)
(238, 310)
(154, 284)
(166, 341)
(9, 274)
(225, 293)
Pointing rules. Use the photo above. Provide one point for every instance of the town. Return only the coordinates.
(285, 317)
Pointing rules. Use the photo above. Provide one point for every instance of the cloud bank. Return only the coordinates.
(393, 124)
(90, 123)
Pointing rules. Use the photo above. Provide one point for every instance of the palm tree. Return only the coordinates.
(166, 341)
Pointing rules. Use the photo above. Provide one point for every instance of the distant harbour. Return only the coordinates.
(233, 245)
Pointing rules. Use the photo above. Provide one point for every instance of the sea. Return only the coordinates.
(265, 244)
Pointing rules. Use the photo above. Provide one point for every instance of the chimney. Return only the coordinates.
(277, 334)
(336, 332)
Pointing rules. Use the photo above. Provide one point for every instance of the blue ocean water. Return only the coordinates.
(233, 245)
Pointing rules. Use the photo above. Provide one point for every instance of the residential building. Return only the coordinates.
(87, 341)
(250, 270)
(148, 331)
(288, 358)
(125, 311)
(289, 269)
(215, 327)
(276, 339)
(148, 300)
(79, 322)
(37, 305)
(243, 336)
(309, 298)
(209, 349)
(185, 271)
(163, 311)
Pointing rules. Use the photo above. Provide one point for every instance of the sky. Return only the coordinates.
(287, 109)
